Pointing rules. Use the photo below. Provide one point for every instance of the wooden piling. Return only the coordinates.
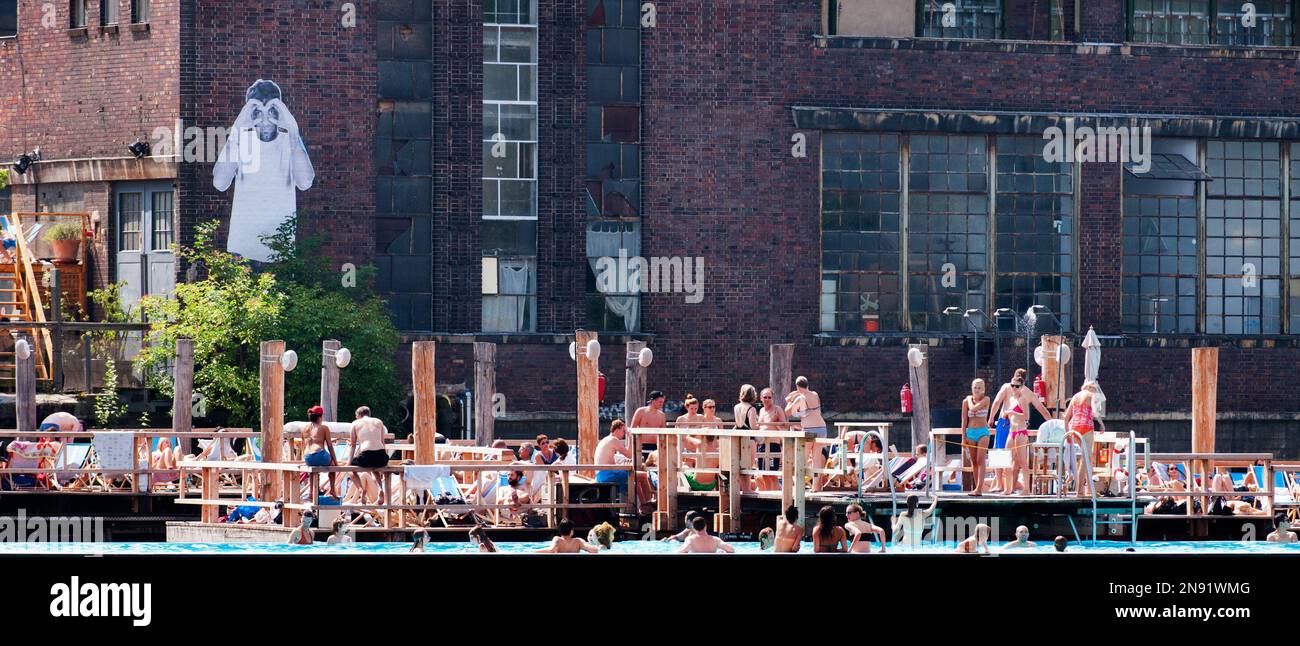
(665, 518)
(485, 389)
(329, 380)
(780, 365)
(919, 378)
(730, 463)
(272, 384)
(589, 404)
(25, 387)
(423, 378)
(1205, 383)
(183, 387)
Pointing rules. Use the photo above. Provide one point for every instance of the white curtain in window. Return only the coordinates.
(606, 240)
(507, 313)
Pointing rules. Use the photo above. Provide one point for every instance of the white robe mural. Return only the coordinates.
(266, 160)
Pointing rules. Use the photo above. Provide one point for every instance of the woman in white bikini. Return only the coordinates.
(910, 525)
(1012, 403)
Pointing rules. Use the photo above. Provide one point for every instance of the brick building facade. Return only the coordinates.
(670, 128)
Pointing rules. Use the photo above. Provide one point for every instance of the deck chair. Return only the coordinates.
(71, 457)
(896, 466)
(914, 476)
(29, 455)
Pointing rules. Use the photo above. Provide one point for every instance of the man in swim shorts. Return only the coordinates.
(366, 445)
(612, 450)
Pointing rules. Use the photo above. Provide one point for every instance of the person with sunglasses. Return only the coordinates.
(544, 453)
(770, 417)
(1012, 404)
(704, 447)
(861, 531)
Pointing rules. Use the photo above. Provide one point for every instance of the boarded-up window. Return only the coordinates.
(885, 18)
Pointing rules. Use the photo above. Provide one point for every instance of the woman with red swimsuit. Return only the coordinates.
(1011, 403)
(1079, 419)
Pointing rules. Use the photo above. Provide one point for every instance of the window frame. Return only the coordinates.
(1001, 28)
(17, 13)
(1212, 36)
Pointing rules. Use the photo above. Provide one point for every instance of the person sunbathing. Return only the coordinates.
(1022, 540)
(565, 543)
(516, 495)
(701, 542)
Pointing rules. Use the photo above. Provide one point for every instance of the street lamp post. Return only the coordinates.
(950, 311)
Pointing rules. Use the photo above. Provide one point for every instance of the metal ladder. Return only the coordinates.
(1130, 462)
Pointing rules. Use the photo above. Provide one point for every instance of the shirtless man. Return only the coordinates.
(366, 446)
(318, 447)
(1022, 540)
(691, 419)
(612, 450)
(977, 543)
(808, 405)
(789, 531)
(701, 542)
(1283, 533)
(768, 418)
(565, 543)
(650, 416)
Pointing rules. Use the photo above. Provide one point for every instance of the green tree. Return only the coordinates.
(233, 308)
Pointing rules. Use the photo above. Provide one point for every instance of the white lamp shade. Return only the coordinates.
(593, 350)
(342, 357)
(573, 350)
(645, 357)
(23, 349)
(915, 357)
(289, 360)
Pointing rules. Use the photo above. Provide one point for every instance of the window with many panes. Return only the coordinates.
(861, 225)
(1161, 267)
(509, 165)
(163, 212)
(961, 18)
(1293, 262)
(1034, 229)
(948, 228)
(1243, 237)
(131, 221)
(1188, 22)
(8, 18)
(955, 237)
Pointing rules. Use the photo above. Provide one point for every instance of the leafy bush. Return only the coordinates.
(233, 308)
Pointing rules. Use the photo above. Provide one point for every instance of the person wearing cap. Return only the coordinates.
(318, 447)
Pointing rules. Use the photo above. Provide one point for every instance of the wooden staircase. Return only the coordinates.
(20, 301)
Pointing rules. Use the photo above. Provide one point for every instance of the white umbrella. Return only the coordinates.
(1091, 365)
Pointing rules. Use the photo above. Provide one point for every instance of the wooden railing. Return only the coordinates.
(298, 497)
(1203, 465)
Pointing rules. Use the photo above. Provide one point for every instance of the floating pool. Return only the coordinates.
(625, 547)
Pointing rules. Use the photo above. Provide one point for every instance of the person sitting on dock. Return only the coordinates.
(827, 535)
(302, 534)
(690, 419)
(706, 458)
(909, 525)
(516, 497)
(1281, 530)
(565, 542)
(545, 453)
(366, 446)
(1021, 541)
(977, 543)
(318, 446)
(860, 531)
(612, 451)
(526, 452)
(789, 531)
(701, 542)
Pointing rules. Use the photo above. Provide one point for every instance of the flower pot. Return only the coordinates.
(65, 251)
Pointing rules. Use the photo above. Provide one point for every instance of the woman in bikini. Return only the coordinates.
(1012, 403)
(909, 526)
(746, 416)
(827, 535)
(975, 433)
(1078, 416)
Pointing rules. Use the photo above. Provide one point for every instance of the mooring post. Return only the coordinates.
(183, 388)
(272, 385)
(1205, 385)
(426, 400)
(730, 463)
(485, 390)
(665, 518)
(589, 406)
(329, 380)
(919, 377)
(25, 385)
(780, 365)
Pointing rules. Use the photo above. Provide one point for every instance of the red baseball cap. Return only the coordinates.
(315, 410)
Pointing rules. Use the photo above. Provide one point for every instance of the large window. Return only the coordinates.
(1188, 22)
(955, 236)
(861, 189)
(1293, 270)
(77, 14)
(1243, 238)
(948, 228)
(1161, 266)
(1035, 229)
(509, 165)
(8, 18)
(108, 12)
(961, 18)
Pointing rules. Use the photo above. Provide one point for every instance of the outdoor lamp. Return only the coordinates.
(643, 358)
(342, 357)
(23, 349)
(289, 360)
(591, 350)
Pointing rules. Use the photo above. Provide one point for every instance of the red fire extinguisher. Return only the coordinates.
(1040, 387)
(601, 387)
(906, 396)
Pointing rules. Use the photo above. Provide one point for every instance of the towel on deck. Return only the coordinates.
(424, 476)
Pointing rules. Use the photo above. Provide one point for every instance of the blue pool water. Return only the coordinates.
(626, 547)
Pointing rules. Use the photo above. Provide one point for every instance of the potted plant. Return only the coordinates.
(65, 238)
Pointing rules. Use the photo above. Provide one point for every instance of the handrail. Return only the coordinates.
(885, 471)
(36, 307)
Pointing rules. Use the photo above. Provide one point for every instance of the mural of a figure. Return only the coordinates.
(266, 160)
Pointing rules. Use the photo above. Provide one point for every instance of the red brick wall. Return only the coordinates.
(327, 73)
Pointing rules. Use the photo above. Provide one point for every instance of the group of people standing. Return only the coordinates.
(1004, 420)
